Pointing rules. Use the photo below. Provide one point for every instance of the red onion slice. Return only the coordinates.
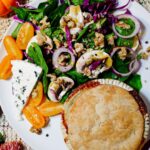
(118, 48)
(133, 66)
(122, 7)
(55, 58)
(25, 5)
(134, 19)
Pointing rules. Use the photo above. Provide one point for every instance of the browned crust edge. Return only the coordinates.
(135, 94)
(89, 84)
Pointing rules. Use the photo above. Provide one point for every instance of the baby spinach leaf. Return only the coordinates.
(135, 82)
(55, 15)
(123, 31)
(47, 31)
(139, 56)
(125, 42)
(20, 12)
(36, 54)
(121, 65)
(57, 32)
(82, 33)
(64, 98)
(43, 5)
(77, 2)
(51, 6)
(108, 75)
(32, 53)
(2, 138)
(96, 1)
(67, 2)
(15, 32)
(77, 77)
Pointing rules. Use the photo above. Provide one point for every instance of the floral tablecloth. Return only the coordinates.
(4, 125)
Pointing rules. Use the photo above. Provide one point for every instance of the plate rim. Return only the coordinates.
(1, 45)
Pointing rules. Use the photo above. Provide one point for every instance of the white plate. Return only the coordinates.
(55, 140)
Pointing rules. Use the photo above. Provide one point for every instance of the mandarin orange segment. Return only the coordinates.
(25, 34)
(49, 108)
(5, 67)
(34, 117)
(12, 48)
(36, 97)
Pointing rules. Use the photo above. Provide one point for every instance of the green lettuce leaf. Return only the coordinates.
(36, 54)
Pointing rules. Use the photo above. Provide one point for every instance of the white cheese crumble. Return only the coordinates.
(25, 77)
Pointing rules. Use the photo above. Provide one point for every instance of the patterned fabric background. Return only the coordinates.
(4, 125)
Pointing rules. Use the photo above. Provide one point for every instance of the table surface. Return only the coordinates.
(4, 125)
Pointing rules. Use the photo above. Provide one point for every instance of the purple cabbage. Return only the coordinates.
(69, 39)
(101, 7)
(128, 12)
(17, 19)
(95, 64)
(86, 2)
(37, 28)
(112, 19)
(62, 1)
(25, 5)
(29, 58)
(22, 21)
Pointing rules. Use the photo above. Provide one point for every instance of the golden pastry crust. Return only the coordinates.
(104, 117)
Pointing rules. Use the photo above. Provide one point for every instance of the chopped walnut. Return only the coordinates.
(122, 53)
(81, 25)
(63, 23)
(111, 40)
(99, 39)
(44, 23)
(44, 40)
(87, 17)
(49, 43)
(87, 71)
(34, 130)
(65, 44)
(34, 93)
(34, 21)
(71, 24)
(59, 81)
(144, 55)
(67, 20)
(79, 47)
(148, 50)
(63, 59)
(41, 38)
(57, 42)
(74, 36)
(123, 25)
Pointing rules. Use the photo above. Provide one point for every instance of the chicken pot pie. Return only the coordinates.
(105, 115)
